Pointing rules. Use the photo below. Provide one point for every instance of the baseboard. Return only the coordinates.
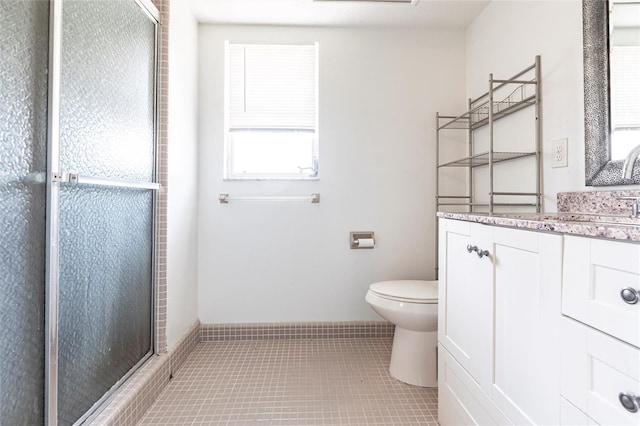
(296, 330)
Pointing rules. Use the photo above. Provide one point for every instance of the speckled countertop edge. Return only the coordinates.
(596, 202)
(546, 222)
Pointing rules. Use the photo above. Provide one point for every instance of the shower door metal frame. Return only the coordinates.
(54, 180)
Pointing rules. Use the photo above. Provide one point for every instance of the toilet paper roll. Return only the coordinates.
(365, 243)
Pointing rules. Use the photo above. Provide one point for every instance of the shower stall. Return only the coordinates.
(77, 197)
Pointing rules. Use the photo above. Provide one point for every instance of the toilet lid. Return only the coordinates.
(416, 291)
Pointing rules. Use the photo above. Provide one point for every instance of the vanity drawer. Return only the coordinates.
(571, 416)
(461, 401)
(595, 274)
(596, 369)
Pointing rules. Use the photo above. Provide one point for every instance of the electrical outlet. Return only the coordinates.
(559, 153)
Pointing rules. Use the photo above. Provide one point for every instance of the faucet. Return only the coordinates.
(635, 206)
(635, 209)
(627, 168)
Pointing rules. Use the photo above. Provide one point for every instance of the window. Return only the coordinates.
(271, 111)
(624, 85)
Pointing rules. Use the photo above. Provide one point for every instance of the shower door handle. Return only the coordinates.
(102, 181)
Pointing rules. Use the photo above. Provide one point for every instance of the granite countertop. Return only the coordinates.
(616, 227)
(602, 214)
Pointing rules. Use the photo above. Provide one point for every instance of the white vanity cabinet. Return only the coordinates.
(498, 325)
(543, 328)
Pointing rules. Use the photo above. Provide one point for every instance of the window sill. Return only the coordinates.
(295, 179)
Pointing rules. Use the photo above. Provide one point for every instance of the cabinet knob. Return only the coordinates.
(629, 402)
(481, 253)
(630, 295)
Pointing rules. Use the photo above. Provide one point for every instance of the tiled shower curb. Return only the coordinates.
(133, 399)
(129, 404)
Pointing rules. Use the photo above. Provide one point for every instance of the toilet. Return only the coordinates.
(412, 305)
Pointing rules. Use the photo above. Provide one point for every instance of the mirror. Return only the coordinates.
(612, 117)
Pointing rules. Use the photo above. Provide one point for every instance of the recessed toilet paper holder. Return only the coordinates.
(362, 240)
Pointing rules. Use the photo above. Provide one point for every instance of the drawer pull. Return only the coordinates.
(481, 253)
(629, 402)
(630, 295)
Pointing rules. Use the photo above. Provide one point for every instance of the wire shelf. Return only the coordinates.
(484, 158)
(478, 115)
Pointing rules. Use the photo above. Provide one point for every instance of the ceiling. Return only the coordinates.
(455, 14)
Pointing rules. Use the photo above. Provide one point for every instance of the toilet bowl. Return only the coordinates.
(411, 305)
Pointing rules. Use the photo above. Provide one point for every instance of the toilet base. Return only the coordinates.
(414, 357)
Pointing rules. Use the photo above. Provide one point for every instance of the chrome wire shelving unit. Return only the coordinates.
(523, 91)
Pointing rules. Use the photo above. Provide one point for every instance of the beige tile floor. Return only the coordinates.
(291, 382)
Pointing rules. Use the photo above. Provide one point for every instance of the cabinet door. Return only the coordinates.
(526, 367)
(465, 304)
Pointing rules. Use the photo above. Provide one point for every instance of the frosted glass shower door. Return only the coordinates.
(24, 42)
(106, 152)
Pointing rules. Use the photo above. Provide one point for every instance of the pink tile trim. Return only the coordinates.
(160, 303)
(306, 330)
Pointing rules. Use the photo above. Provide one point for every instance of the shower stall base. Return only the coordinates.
(129, 403)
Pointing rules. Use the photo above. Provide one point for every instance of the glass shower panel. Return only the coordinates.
(107, 130)
(24, 31)
(107, 106)
(105, 294)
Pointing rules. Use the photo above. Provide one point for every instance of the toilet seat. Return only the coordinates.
(409, 291)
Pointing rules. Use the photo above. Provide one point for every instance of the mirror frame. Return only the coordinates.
(600, 170)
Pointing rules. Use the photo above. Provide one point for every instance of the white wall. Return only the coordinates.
(182, 291)
(290, 261)
(503, 40)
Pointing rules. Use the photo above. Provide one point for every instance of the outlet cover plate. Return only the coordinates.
(559, 153)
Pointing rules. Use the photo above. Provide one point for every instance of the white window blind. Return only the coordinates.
(272, 86)
(271, 111)
(625, 87)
